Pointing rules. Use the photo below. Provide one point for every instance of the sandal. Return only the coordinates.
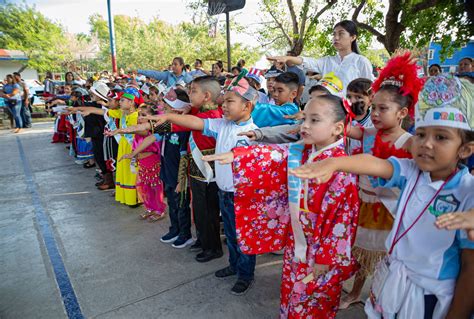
(146, 214)
(156, 217)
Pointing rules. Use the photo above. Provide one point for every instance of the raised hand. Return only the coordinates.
(278, 59)
(222, 158)
(320, 171)
(250, 134)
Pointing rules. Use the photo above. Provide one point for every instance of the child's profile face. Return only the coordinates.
(234, 107)
(196, 95)
(282, 93)
(318, 125)
(354, 97)
(154, 97)
(386, 113)
(142, 113)
(436, 150)
(67, 90)
(125, 104)
(270, 83)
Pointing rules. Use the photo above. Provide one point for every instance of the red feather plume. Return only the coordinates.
(402, 69)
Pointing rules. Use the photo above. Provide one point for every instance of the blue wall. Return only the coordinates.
(451, 63)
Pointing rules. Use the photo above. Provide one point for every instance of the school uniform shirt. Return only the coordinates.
(425, 250)
(264, 115)
(351, 67)
(225, 132)
(173, 147)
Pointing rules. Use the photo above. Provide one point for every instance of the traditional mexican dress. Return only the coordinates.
(125, 181)
(149, 184)
(375, 219)
(314, 223)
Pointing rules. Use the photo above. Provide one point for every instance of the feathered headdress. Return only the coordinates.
(401, 71)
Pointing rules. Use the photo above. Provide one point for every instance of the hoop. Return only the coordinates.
(213, 12)
(215, 8)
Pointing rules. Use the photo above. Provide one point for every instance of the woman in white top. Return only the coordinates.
(347, 64)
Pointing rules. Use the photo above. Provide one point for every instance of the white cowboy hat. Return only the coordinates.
(100, 89)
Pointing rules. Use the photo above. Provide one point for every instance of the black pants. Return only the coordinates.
(180, 213)
(205, 202)
(98, 150)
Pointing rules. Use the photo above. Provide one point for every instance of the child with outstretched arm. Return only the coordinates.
(427, 272)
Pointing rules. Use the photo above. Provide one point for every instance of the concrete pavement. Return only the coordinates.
(115, 263)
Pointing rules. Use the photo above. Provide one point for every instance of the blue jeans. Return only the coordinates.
(243, 264)
(25, 115)
(15, 109)
(180, 214)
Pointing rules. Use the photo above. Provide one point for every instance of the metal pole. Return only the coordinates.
(227, 21)
(112, 38)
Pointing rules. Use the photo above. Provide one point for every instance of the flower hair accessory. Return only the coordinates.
(401, 71)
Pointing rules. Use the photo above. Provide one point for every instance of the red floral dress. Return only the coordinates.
(328, 217)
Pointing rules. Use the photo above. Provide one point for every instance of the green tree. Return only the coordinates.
(414, 23)
(26, 29)
(154, 45)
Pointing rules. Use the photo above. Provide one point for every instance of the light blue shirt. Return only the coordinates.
(169, 78)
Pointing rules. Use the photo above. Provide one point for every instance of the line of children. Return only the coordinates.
(327, 225)
(427, 273)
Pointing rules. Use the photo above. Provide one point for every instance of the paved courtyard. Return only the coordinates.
(69, 250)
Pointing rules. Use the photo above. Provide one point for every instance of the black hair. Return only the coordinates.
(199, 61)
(466, 58)
(361, 86)
(397, 96)
(319, 88)
(182, 95)
(238, 68)
(337, 106)
(180, 60)
(210, 84)
(436, 66)
(466, 136)
(65, 76)
(290, 79)
(187, 67)
(241, 63)
(220, 65)
(350, 27)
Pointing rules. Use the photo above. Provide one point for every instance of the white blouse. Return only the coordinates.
(351, 67)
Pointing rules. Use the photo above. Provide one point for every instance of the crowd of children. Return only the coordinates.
(344, 184)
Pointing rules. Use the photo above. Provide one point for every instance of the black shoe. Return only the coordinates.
(99, 183)
(225, 272)
(208, 255)
(135, 206)
(196, 246)
(241, 287)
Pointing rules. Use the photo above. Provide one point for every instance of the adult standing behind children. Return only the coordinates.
(170, 78)
(25, 101)
(347, 64)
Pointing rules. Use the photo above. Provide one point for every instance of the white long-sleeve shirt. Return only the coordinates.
(351, 67)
